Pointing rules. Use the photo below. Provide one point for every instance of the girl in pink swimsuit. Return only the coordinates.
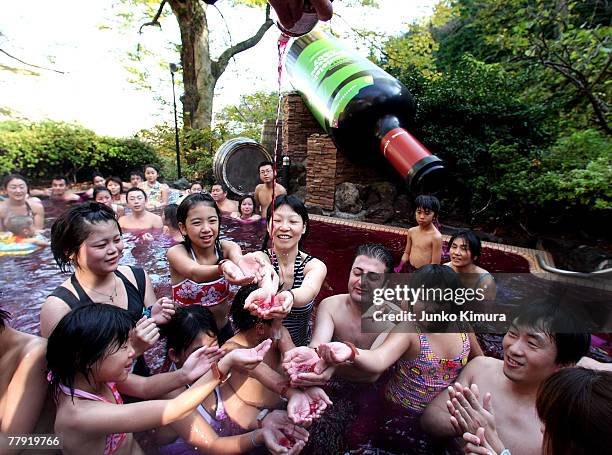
(89, 358)
(203, 268)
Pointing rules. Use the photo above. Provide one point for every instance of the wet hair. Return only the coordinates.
(60, 177)
(8, 178)
(186, 324)
(82, 337)
(196, 183)
(100, 189)
(222, 185)
(297, 206)
(154, 166)
(472, 241)
(170, 216)
(378, 252)
(96, 174)
(242, 319)
(560, 324)
(435, 276)
(117, 180)
(190, 202)
(4, 316)
(246, 196)
(427, 202)
(136, 172)
(16, 224)
(574, 405)
(265, 163)
(133, 190)
(72, 228)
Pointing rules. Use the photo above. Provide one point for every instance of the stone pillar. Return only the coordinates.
(321, 171)
(298, 124)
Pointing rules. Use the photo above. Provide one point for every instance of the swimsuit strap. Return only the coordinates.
(113, 441)
(83, 298)
(482, 277)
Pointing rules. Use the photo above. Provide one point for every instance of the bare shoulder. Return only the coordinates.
(315, 264)
(481, 366)
(332, 303)
(280, 189)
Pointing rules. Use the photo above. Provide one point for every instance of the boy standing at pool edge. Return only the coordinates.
(423, 242)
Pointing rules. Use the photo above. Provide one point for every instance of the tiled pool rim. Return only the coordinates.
(529, 254)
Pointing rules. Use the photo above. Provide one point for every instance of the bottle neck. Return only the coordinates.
(406, 154)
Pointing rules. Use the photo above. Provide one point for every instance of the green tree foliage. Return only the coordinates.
(247, 118)
(197, 147)
(40, 150)
(514, 97)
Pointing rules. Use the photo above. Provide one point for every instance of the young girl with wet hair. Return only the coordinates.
(18, 203)
(89, 357)
(301, 275)
(191, 328)
(87, 239)
(202, 267)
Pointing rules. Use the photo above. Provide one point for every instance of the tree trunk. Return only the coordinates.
(200, 72)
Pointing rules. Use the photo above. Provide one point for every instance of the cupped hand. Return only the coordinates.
(300, 355)
(312, 379)
(467, 414)
(279, 420)
(278, 442)
(252, 265)
(298, 408)
(259, 302)
(162, 311)
(319, 401)
(335, 352)
(234, 275)
(200, 361)
(248, 359)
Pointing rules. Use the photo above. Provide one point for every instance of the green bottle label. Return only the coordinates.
(329, 76)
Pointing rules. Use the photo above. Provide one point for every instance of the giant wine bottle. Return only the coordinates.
(361, 107)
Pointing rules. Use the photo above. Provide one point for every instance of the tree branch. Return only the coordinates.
(220, 65)
(155, 20)
(30, 64)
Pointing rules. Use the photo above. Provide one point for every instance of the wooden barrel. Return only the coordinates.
(268, 136)
(235, 164)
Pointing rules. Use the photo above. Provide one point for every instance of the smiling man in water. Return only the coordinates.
(534, 349)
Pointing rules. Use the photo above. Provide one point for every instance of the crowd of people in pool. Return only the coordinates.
(246, 367)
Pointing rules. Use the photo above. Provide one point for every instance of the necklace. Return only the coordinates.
(111, 297)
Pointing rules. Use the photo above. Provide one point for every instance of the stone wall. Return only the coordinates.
(298, 124)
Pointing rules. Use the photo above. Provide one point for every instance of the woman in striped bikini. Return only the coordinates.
(301, 275)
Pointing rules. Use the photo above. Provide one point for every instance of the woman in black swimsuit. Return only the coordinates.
(87, 239)
(18, 204)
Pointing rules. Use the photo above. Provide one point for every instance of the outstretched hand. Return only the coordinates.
(234, 274)
(200, 361)
(477, 444)
(335, 352)
(302, 359)
(252, 265)
(248, 359)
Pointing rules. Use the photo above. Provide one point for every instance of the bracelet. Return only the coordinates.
(354, 352)
(261, 416)
(220, 266)
(147, 312)
(253, 441)
(217, 373)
